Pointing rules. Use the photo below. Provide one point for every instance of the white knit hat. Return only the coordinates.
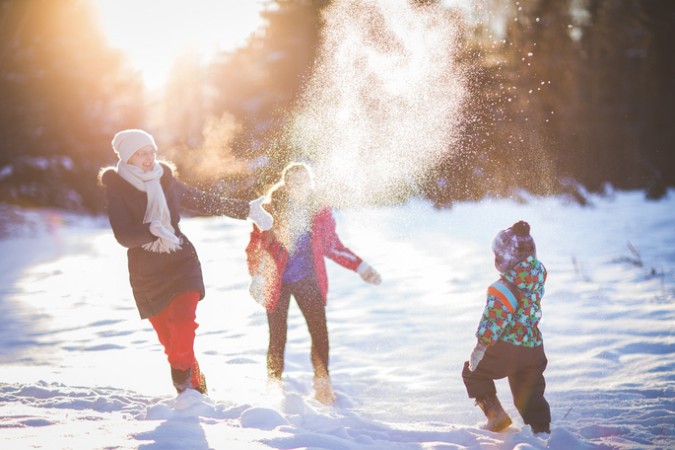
(127, 142)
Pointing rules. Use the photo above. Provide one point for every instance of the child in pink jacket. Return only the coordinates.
(288, 260)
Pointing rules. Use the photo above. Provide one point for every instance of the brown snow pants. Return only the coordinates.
(524, 367)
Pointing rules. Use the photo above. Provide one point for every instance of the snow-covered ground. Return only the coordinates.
(80, 370)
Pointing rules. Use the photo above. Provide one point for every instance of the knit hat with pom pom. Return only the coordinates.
(513, 245)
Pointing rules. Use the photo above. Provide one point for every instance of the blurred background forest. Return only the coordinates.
(563, 95)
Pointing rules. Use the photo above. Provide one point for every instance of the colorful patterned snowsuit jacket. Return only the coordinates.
(513, 307)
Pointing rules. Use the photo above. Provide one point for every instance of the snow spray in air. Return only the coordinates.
(384, 101)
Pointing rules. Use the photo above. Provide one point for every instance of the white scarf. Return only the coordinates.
(157, 208)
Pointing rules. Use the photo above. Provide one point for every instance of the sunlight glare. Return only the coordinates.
(153, 34)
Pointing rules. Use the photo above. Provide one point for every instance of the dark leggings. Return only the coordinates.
(524, 368)
(312, 304)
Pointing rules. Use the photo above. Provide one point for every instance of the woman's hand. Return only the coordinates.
(368, 274)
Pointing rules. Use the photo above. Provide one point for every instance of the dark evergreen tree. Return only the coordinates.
(261, 82)
(64, 93)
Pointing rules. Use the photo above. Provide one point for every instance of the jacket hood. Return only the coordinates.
(106, 175)
(528, 276)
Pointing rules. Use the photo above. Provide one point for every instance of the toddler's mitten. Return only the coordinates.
(368, 274)
(258, 215)
(476, 356)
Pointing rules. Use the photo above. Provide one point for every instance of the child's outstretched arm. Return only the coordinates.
(368, 274)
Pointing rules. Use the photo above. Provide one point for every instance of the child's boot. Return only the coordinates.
(541, 428)
(498, 419)
(323, 390)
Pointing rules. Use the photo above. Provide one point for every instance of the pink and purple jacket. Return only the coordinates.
(263, 246)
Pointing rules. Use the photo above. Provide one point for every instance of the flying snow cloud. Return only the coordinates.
(385, 100)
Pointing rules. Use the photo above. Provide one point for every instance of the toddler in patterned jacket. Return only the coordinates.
(509, 341)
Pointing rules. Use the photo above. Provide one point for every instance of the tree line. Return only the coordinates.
(561, 94)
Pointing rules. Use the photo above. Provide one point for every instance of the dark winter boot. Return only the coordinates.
(192, 378)
(497, 417)
(198, 379)
(181, 379)
(541, 428)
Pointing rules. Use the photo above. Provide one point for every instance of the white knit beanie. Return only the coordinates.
(127, 142)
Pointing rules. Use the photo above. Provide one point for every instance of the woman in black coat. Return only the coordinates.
(144, 202)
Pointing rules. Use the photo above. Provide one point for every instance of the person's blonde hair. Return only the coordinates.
(292, 167)
(277, 196)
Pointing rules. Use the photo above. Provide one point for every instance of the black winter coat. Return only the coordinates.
(156, 278)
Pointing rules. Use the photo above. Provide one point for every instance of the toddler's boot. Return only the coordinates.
(541, 428)
(498, 419)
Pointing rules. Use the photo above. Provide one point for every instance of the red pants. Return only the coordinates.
(175, 327)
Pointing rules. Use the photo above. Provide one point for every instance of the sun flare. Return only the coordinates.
(153, 34)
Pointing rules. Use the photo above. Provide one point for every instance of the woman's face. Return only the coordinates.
(144, 158)
(299, 185)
